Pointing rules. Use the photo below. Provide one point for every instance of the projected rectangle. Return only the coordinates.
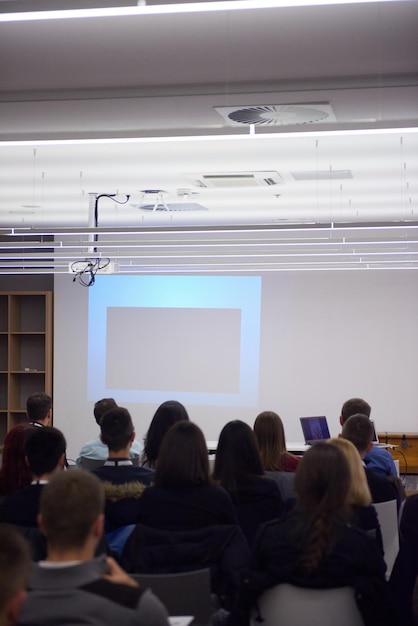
(168, 349)
(192, 338)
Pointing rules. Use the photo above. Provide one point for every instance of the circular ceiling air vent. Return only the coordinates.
(278, 115)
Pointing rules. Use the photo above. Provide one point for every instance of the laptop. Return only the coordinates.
(376, 441)
(314, 429)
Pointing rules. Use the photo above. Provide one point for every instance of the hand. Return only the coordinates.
(117, 575)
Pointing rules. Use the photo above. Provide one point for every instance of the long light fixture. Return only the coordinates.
(168, 9)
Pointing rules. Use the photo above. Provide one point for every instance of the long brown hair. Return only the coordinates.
(183, 458)
(269, 433)
(322, 484)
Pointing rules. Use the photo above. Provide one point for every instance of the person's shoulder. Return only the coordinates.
(151, 610)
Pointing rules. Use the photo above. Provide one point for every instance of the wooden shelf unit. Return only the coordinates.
(406, 450)
(25, 352)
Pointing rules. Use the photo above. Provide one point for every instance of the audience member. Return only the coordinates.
(123, 482)
(377, 459)
(315, 546)
(14, 574)
(364, 514)
(39, 409)
(71, 582)
(14, 472)
(182, 497)
(186, 522)
(95, 448)
(238, 469)
(45, 453)
(359, 430)
(277, 462)
(167, 414)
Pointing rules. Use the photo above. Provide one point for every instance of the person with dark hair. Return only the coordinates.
(315, 546)
(183, 497)
(123, 482)
(377, 459)
(14, 574)
(96, 448)
(39, 409)
(277, 462)
(186, 522)
(45, 453)
(238, 469)
(167, 414)
(14, 472)
(359, 430)
(71, 582)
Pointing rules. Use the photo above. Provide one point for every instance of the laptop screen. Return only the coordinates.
(314, 428)
(375, 437)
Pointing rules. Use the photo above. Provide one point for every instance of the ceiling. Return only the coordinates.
(317, 169)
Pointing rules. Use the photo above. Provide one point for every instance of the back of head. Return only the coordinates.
(14, 565)
(70, 503)
(237, 455)
(322, 485)
(183, 458)
(101, 406)
(38, 406)
(167, 414)
(322, 479)
(269, 433)
(44, 448)
(116, 428)
(359, 488)
(14, 472)
(354, 406)
(359, 430)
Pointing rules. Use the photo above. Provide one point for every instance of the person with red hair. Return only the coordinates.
(14, 472)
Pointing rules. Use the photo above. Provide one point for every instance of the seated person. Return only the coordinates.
(167, 414)
(95, 448)
(277, 462)
(123, 482)
(364, 514)
(14, 472)
(45, 453)
(71, 581)
(376, 459)
(39, 409)
(182, 497)
(359, 430)
(14, 574)
(238, 469)
(315, 546)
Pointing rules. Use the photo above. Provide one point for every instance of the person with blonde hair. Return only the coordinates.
(364, 514)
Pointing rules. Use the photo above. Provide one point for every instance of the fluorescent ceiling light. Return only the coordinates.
(197, 7)
(211, 138)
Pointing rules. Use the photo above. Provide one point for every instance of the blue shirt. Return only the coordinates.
(96, 449)
(380, 461)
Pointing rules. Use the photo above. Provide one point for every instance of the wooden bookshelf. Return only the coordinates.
(25, 352)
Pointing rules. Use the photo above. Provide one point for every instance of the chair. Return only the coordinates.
(91, 464)
(387, 514)
(185, 593)
(299, 606)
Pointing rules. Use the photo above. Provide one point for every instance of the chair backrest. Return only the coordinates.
(299, 606)
(91, 464)
(186, 593)
(387, 513)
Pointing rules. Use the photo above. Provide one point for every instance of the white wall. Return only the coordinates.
(325, 337)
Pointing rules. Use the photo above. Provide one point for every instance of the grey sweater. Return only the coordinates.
(78, 594)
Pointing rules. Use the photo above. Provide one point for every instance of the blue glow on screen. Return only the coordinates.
(218, 292)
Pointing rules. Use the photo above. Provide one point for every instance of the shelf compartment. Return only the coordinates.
(4, 313)
(23, 385)
(27, 351)
(27, 313)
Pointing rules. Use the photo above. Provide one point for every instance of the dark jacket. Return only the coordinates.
(124, 485)
(222, 548)
(354, 561)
